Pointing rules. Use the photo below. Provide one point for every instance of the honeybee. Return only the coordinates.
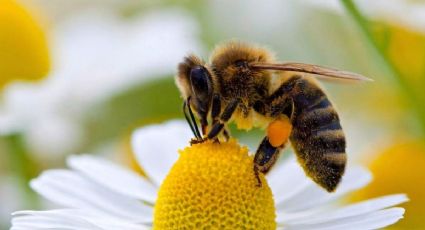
(243, 83)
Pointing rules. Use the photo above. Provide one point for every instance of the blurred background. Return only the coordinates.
(78, 76)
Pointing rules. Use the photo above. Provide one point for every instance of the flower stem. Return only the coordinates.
(22, 167)
(386, 62)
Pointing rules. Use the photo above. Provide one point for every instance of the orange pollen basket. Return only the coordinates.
(278, 131)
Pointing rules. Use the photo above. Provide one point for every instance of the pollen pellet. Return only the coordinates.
(278, 131)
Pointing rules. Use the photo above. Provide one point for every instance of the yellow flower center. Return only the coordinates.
(23, 46)
(213, 186)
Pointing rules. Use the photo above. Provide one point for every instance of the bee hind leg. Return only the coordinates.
(278, 133)
(265, 158)
(257, 176)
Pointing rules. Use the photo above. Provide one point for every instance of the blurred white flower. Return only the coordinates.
(98, 194)
(270, 18)
(96, 53)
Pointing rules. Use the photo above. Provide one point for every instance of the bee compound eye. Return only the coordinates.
(199, 78)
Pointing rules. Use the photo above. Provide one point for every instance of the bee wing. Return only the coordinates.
(321, 72)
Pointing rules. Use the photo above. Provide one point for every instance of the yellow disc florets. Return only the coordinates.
(213, 186)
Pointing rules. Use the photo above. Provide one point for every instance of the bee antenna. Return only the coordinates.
(187, 119)
(195, 125)
(191, 121)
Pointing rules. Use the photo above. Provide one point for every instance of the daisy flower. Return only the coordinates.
(205, 186)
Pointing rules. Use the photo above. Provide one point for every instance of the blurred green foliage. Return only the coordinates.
(24, 166)
(382, 43)
(151, 102)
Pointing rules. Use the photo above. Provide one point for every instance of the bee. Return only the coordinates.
(244, 84)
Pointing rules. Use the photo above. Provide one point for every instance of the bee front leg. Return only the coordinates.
(215, 116)
(224, 117)
(215, 111)
(226, 133)
(215, 108)
(220, 123)
(204, 123)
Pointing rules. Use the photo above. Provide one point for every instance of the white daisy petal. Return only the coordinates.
(73, 190)
(69, 219)
(359, 208)
(286, 180)
(156, 147)
(374, 220)
(313, 196)
(114, 177)
(53, 219)
(105, 196)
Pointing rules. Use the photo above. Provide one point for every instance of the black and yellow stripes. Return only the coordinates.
(317, 135)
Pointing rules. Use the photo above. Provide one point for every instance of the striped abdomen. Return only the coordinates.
(317, 136)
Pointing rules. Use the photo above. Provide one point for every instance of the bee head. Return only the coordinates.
(195, 82)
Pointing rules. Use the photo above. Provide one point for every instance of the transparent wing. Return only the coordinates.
(321, 72)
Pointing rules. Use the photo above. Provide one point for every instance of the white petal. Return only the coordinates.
(287, 179)
(114, 177)
(157, 146)
(374, 220)
(71, 189)
(53, 219)
(312, 195)
(69, 219)
(356, 209)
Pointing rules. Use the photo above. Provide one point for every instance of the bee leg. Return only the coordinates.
(257, 176)
(215, 108)
(219, 125)
(202, 113)
(226, 133)
(215, 111)
(265, 157)
(204, 123)
(278, 133)
(224, 117)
